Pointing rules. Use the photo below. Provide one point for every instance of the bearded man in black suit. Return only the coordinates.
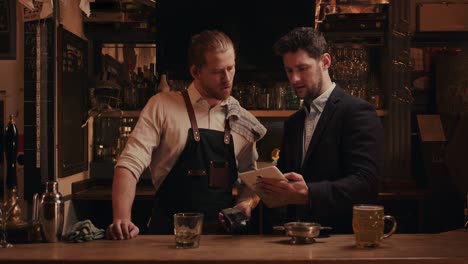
(331, 151)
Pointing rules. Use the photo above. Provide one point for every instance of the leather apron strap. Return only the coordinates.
(193, 121)
(191, 113)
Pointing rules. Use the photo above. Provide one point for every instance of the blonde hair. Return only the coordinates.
(205, 41)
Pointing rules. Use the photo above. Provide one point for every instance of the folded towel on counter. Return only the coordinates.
(83, 231)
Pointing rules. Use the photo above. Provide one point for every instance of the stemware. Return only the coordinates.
(6, 209)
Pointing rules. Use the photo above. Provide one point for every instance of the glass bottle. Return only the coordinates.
(130, 100)
(140, 88)
(375, 96)
(163, 84)
(125, 129)
(361, 92)
(152, 81)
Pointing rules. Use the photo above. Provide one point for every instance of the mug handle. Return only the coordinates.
(394, 225)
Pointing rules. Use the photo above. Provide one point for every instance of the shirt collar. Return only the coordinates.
(318, 104)
(194, 94)
(196, 97)
(240, 120)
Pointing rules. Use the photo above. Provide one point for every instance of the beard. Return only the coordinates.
(220, 94)
(315, 91)
(217, 91)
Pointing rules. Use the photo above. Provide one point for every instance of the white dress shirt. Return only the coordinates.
(313, 116)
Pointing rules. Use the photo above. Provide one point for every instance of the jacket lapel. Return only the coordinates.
(326, 116)
(299, 137)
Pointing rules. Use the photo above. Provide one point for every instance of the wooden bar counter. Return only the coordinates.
(443, 248)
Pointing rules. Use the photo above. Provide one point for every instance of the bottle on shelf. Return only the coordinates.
(146, 76)
(163, 84)
(361, 92)
(152, 81)
(124, 133)
(130, 95)
(375, 95)
(140, 88)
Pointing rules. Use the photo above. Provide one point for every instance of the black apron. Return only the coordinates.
(200, 181)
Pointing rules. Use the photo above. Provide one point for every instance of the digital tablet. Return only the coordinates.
(250, 179)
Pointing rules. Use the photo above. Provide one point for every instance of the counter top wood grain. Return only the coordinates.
(446, 248)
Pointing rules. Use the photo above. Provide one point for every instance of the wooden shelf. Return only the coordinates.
(272, 113)
(120, 113)
(367, 38)
(422, 39)
(256, 113)
(287, 113)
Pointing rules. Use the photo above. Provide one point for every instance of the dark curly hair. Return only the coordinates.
(305, 38)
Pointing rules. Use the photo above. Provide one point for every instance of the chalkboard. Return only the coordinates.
(7, 29)
(72, 87)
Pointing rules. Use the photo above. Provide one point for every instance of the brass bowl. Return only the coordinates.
(302, 232)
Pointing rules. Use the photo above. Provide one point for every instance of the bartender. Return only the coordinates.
(194, 142)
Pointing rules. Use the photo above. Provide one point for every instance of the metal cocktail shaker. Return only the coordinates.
(51, 212)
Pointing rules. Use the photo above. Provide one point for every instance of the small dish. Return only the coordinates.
(302, 232)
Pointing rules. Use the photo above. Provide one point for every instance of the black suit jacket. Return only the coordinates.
(341, 165)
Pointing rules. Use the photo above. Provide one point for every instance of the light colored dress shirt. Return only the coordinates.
(160, 134)
(313, 116)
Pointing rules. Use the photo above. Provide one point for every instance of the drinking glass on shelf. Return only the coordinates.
(250, 95)
(278, 96)
(291, 101)
(263, 98)
(6, 208)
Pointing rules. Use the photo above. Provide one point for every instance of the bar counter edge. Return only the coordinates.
(448, 248)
